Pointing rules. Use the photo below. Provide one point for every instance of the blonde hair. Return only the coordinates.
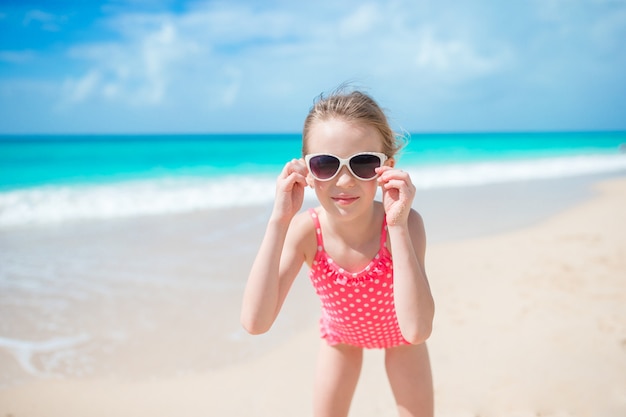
(352, 106)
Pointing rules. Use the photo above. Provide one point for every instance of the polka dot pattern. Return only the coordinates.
(357, 308)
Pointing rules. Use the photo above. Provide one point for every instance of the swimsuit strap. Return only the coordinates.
(383, 234)
(318, 229)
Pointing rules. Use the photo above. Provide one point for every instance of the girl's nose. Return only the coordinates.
(345, 177)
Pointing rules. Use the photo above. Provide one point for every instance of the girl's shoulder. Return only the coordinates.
(302, 231)
(303, 221)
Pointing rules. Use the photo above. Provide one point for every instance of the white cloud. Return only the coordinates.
(609, 31)
(363, 20)
(211, 49)
(230, 93)
(219, 62)
(137, 71)
(80, 89)
(48, 21)
(235, 55)
(456, 57)
(17, 57)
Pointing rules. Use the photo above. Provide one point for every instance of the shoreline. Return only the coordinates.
(541, 277)
(452, 214)
(58, 202)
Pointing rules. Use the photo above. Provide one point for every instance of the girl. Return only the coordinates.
(366, 258)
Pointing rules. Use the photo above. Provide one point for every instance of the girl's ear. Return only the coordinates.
(310, 181)
(390, 162)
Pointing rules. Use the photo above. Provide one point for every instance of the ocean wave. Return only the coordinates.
(493, 172)
(54, 204)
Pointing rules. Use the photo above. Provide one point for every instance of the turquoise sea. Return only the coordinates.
(51, 179)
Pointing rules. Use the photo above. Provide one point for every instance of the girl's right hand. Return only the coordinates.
(290, 187)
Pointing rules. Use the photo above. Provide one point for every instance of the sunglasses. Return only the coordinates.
(324, 166)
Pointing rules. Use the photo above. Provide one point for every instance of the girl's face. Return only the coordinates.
(344, 195)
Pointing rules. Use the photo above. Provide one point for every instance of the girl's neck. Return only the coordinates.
(355, 231)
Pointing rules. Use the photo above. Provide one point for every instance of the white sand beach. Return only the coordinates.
(529, 322)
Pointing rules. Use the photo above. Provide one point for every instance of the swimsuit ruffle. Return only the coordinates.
(340, 276)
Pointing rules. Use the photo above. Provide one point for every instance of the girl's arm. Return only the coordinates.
(414, 302)
(412, 296)
(280, 256)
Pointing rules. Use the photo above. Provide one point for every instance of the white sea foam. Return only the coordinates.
(23, 351)
(462, 175)
(52, 204)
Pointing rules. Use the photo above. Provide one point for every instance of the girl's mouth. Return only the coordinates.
(344, 200)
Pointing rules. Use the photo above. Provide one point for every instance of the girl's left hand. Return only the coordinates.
(398, 194)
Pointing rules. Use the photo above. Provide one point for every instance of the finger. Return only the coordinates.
(290, 181)
(389, 173)
(394, 173)
(298, 178)
(401, 186)
(293, 179)
(295, 165)
(396, 182)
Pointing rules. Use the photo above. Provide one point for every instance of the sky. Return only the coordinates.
(249, 66)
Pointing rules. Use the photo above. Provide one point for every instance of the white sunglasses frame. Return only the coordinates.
(344, 162)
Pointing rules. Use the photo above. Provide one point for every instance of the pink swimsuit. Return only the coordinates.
(357, 308)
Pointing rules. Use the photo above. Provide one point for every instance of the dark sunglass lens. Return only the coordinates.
(324, 166)
(364, 166)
